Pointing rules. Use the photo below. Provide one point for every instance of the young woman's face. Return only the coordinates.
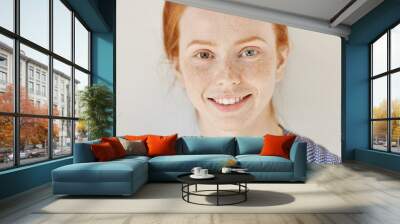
(228, 66)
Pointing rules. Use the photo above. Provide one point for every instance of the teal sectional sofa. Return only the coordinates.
(125, 176)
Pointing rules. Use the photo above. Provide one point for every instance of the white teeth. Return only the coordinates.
(228, 101)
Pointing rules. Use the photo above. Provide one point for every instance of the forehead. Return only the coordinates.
(203, 24)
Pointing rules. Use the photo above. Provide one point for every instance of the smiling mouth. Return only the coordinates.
(228, 104)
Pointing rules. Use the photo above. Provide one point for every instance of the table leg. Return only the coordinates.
(196, 187)
(217, 194)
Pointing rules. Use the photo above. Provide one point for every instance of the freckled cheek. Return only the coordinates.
(258, 73)
(197, 78)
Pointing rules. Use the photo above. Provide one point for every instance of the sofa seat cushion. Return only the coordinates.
(257, 163)
(185, 163)
(112, 171)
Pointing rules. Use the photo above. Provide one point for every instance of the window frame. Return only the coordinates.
(16, 115)
(388, 74)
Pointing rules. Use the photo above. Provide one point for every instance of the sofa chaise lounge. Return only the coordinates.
(125, 176)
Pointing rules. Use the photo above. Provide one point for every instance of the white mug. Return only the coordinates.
(196, 171)
(203, 172)
(226, 170)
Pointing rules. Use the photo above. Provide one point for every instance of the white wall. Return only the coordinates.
(307, 100)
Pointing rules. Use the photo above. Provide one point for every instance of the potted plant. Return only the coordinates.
(96, 102)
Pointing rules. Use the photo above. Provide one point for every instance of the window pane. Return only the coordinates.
(35, 21)
(395, 94)
(33, 140)
(6, 142)
(81, 45)
(379, 135)
(62, 29)
(62, 89)
(395, 129)
(6, 74)
(379, 97)
(395, 47)
(34, 81)
(379, 55)
(81, 81)
(7, 14)
(81, 131)
(62, 138)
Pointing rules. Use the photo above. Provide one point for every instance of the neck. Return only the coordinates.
(265, 123)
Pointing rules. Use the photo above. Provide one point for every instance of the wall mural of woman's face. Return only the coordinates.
(229, 67)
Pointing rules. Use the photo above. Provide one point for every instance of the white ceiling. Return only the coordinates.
(326, 16)
(320, 9)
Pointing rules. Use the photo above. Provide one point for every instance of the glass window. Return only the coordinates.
(62, 138)
(33, 140)
(395, 136)
(81, 82)
(379, 135)
(379, 56)
(395, 95)
(379, 98)
(62, 75)
(40, 62)
(34, 21)
(7, 14)
(6, 142)
(81, 45)
(6, 73)
(62, 28)
(395, 47)
(30, 87)
(81, 131)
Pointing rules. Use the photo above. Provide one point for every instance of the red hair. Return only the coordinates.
(173, 13)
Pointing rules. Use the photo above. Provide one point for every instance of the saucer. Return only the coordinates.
(208, 176)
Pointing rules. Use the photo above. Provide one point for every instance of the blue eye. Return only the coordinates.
(249, 53)
(204, 55)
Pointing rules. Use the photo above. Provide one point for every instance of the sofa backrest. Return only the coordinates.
(192, 145)
(83, 152)
(249, 145)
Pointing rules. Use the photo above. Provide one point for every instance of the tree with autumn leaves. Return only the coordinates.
(380, 127)
(33, 131)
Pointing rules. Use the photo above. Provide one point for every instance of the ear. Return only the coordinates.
(282, 56)
(177, 70)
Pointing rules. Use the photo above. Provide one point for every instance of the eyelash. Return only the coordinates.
(198, 55)
(241, 54)
(211, 55)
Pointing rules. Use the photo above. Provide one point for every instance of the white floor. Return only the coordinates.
(376, 189)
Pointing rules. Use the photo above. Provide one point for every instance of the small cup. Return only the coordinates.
(196, 171)
(226, 170)
(203, 172)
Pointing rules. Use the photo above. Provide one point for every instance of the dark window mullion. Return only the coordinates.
(389, 101)
(16, 83)
(371, 99)
(50, 87)
(73, 82)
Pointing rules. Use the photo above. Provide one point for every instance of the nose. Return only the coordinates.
(228, 75)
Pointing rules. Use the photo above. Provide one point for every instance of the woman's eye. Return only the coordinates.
(204, 55)
(249, 53)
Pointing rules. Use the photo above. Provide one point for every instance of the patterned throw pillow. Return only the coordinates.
(136, 147)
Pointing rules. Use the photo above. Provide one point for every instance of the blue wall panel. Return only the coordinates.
(356, 86)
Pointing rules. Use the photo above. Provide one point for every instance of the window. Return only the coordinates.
(44, 131)
(385, 91)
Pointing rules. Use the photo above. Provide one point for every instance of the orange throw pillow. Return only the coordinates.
(116, 145)
(277, 145)
(161, 145)
(103, 152)
(136, 137)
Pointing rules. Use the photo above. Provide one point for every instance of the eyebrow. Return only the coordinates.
(250, 39)
(200, 42)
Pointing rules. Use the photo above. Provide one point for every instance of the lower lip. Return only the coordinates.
(230, 107)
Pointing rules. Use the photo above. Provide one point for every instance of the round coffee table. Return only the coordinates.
(238, 179)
